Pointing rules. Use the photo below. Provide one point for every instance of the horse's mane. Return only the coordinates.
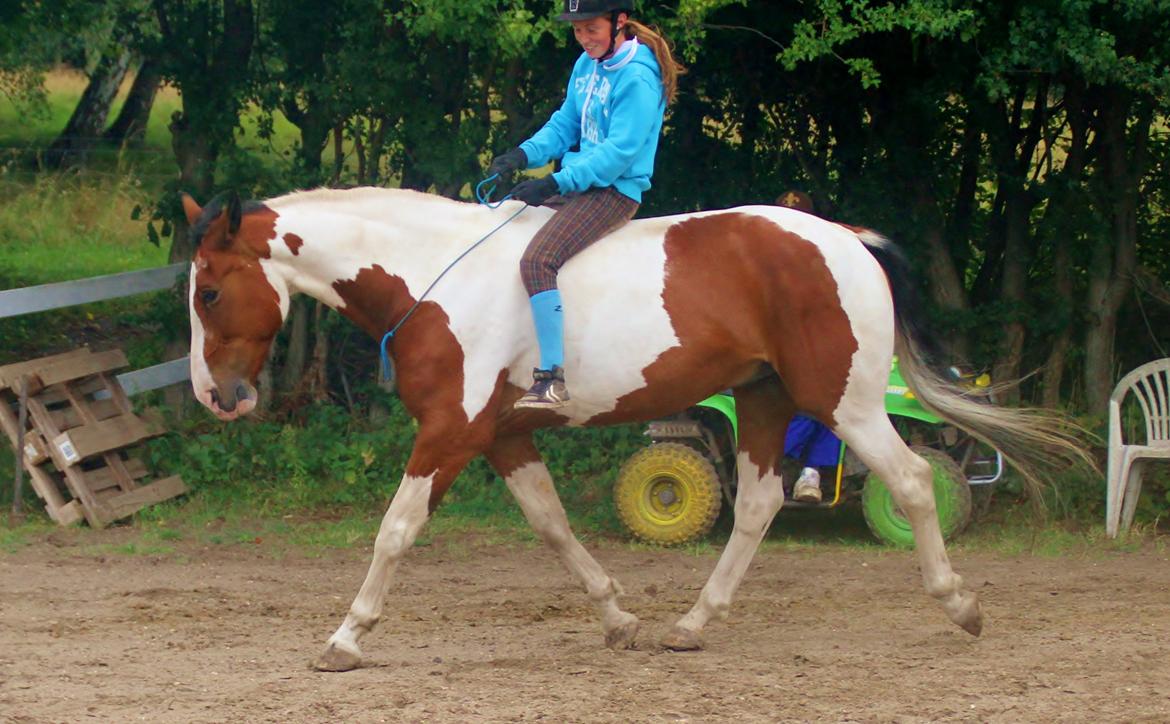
(357, 194)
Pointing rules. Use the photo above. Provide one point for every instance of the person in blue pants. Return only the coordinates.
(815, 446)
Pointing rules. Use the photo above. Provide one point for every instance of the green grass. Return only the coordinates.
(63, 227)
(171, 528)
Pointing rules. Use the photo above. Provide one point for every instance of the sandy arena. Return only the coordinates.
(479, 632)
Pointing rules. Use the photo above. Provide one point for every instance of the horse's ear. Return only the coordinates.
(190, 208)
(234, 212)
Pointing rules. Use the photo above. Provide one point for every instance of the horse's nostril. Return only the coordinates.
(215, 395)
(241, 392)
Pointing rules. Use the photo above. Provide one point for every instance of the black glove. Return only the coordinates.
(508, 162)
(535, 190)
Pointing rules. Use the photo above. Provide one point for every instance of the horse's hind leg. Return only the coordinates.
(764, 409)
(910, 481)
(517, 460)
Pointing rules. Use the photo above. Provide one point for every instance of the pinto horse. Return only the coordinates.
(792, 312)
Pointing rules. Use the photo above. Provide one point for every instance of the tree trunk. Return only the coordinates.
(1114, 258)
(946, 286)
(299, 314)
(1017, 258)
(129, 128)
(1015, 147)
(1053, 375)
(315, 382)
(315, 126)
(84, 128)
(1059, 232)
(196, 154)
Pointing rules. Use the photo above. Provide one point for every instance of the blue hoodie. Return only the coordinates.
(614, 109)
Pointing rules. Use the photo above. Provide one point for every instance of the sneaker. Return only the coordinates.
(547, 392)
(808, 486)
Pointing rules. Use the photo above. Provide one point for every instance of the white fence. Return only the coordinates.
(15, 302)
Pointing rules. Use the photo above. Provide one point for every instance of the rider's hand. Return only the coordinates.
(506, 163)
(534, 191)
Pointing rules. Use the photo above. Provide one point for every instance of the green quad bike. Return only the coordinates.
(670, 492)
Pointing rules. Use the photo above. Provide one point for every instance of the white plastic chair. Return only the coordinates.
(1150, 386)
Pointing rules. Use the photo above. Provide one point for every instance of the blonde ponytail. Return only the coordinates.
(671, 69)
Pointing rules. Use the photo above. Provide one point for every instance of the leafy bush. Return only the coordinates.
(332, 461)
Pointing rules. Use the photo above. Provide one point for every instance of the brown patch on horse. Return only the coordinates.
(428, 358)
(236, 335)
(742, 292)
(294, 243)
(211, 230)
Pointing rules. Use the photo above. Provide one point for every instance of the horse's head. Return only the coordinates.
(237, 305)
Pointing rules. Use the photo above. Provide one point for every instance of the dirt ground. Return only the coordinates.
(479, 632)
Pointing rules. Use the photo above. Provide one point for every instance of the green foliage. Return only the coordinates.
(333, 460)
(835, 24)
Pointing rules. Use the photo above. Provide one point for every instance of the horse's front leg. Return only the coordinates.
(432, 468)
(518, 462)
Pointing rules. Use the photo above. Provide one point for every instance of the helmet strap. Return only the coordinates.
(613, 18)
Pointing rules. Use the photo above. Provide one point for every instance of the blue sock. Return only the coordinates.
(550, 328)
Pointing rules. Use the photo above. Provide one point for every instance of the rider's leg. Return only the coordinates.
(580, 220)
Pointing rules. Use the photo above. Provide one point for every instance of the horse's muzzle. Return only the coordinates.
(240, 401)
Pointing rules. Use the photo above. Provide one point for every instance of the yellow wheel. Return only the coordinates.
(668, 494)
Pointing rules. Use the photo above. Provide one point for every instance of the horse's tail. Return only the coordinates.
(1037, 442)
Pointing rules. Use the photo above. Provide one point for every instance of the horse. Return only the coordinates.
(790, 311)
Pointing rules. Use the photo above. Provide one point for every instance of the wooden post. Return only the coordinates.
(18, 454)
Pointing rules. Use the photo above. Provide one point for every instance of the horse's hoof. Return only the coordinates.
(622, 637)
(969, 617)
(683, 639)
(336, 658)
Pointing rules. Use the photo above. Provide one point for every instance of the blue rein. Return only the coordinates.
(484, 197)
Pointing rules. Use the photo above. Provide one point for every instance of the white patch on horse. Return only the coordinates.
(201, 380)
(273, 274)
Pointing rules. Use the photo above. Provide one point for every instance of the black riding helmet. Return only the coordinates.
(586, 9)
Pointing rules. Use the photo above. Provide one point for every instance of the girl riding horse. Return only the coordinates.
(613, 110)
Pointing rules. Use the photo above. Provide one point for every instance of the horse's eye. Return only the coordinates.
(209, 296)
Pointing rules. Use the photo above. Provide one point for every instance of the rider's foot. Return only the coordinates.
(547, 392)
(808, 486)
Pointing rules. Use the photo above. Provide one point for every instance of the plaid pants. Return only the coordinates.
(580, 220)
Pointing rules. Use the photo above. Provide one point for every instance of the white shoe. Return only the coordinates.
(808, 486)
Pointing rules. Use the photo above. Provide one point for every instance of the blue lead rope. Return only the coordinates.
(484, 198)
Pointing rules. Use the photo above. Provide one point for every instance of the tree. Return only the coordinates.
(205, 49)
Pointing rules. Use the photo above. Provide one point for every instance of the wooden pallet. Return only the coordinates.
(75, 441)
